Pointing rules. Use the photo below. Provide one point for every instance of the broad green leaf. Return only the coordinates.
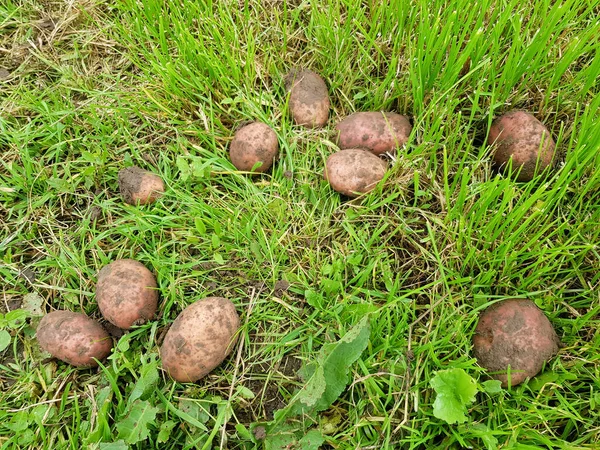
(312, 440)
(330, 378)
(244, 392)
(119, 445)
(492, 386)
(165, 431)
(4, 340)
(145, 383)
(455, 391)
(16, 318)
(134, 428)
(243, 432)
(184, 168)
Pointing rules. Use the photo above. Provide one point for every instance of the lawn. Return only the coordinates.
(383, 292)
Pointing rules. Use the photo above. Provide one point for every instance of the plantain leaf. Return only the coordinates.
(134, 427)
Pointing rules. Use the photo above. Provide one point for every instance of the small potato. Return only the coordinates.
(521, 137)
(140, 187)
(252, 144)
(73, 338)
(353, 172)
(514, 333)
(200, 339)
(376, 132)
(309, 100)
(126, 293)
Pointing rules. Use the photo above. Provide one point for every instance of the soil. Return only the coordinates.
(268, 397)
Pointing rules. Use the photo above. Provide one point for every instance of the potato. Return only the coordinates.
(309, 99)
(514, 333)
(353, 171)
(140, 187)
(521, 137)
(252, 144)
(126, 293)
(73, 338)
(376, 132)
(200, 339)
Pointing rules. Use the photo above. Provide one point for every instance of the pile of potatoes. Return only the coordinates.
(522, 145)
(513, 339)
(127, 294)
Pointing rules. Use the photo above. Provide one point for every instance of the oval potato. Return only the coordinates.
(126, 293)
(309, 100)
(200, 339)
(73, 338)
(140, 187)
(376, 132)
(353, 171)
(519, 136)
(514, 333)
(252, 144)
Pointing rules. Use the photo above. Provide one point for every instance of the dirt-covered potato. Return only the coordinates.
(514, 333)
(519, 136)
(200, 339)
(377, 132)
(139, 187)
(252, 144)
(309, 99)
(73, 338)
(353, 171)
(126, 293)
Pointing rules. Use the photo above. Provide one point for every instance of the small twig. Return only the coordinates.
(238, 358)
(45, 402)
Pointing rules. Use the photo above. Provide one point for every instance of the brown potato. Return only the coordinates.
(376, 132)
(521, 137)
(73, 338)
(353, 172)
(140, 187)
(126, 293)
(309, 99)
(200, 339)
(514, 333)
(252, 144)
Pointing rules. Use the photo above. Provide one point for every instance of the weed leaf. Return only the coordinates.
(134, 428)
(330, 378)
(4, 340)
(455, 391)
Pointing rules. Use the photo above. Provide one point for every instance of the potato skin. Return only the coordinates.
(73, 338)
(140, 187)
(377, 132)
(514, 332)
(200, 339)
(519, 135)
(126, 293)
(354, 171)
(254, 143)
(309, 100)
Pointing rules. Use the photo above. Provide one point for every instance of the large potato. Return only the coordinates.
(140, 187)
(200, 339)
(376, 132)
(353, 172)
(514, 333)
(252, 144)
(126, 293)
(309, 99)
(520, 137)
(73, 338)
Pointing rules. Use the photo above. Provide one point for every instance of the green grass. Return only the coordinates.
(163, 84)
